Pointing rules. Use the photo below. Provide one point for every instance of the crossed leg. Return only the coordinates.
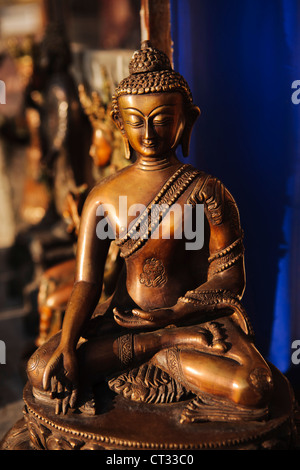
(239, 375)
(236, 373)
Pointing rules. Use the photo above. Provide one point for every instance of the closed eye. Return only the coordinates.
(162, 121)
(138, 123)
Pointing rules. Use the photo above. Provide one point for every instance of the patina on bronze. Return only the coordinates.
(174, 334)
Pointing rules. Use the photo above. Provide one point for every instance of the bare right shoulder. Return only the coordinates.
(108, 188)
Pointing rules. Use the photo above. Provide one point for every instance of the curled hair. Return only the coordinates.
(150, 72)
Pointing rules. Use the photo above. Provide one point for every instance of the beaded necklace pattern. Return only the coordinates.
(152, 216)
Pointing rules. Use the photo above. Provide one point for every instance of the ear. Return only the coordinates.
(192, 115)
(119, 123)
(128, 148)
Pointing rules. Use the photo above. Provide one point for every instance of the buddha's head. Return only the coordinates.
(153, 106)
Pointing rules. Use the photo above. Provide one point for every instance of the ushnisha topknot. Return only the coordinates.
(150, 72)
(148, 59)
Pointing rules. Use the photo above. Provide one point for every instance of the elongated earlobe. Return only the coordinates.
(119, 123)
(192, 115)
(127, 147)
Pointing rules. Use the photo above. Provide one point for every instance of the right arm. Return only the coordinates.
(61, 371)
(90, 263)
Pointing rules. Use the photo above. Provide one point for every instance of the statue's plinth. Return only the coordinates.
(124, 424)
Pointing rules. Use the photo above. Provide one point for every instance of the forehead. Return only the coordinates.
(146, 103)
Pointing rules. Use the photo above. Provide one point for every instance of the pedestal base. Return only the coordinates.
(124, 424)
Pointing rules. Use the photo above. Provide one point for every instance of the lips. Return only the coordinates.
(149, 143)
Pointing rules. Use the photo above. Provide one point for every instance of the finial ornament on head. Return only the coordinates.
(148, 59)
(150, 71)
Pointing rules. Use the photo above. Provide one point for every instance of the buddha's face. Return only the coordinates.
(153, 123)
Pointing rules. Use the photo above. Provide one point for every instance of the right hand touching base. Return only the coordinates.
(61, 378)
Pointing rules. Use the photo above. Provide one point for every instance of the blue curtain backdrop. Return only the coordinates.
(240, 58)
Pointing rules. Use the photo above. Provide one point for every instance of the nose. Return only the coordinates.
(149, 132)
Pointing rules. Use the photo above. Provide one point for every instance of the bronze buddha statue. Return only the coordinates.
(175, 325)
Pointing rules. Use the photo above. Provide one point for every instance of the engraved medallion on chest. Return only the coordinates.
(153, 274)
